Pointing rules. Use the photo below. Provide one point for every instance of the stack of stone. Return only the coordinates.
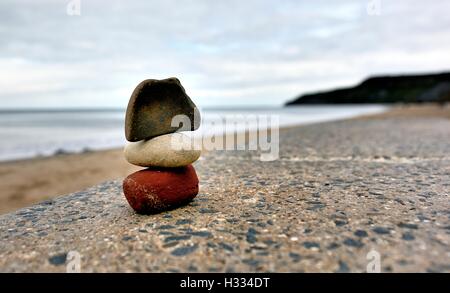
(169, 179)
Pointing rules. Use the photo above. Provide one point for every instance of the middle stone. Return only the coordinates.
(169, 150)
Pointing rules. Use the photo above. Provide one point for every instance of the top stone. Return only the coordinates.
(152, 106)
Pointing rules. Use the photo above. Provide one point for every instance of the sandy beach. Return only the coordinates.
(26, 182)
(30, 181)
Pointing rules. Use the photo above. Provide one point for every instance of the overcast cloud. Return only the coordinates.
(224, 52)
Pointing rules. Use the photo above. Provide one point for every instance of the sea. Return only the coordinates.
(40, 133)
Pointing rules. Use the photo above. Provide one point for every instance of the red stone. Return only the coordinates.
(157, 189)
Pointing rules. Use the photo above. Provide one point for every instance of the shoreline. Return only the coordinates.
(29, 181)
(46, 146)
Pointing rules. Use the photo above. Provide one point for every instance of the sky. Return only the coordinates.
(87, 53)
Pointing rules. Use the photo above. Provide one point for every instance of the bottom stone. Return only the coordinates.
(157, 189)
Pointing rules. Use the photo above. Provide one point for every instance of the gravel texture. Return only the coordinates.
(338, 191)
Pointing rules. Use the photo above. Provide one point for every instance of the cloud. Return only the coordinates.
(256, 52)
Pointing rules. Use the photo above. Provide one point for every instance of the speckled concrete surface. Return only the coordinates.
(339, 190)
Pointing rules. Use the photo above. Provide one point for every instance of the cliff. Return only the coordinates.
(386, 89)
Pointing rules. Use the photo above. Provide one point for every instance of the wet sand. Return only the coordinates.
(30, 181)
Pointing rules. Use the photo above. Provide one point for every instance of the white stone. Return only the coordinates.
(168, 150)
